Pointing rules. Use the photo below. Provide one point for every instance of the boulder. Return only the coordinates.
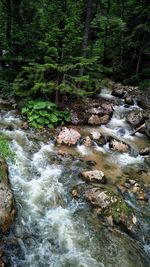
(68, 136)
(145, 151)
(98, 138)
(94, 176)
(129, 100)
(7, 207)
(99, 198)
(94, 120)
(135, 118)
(95, 111)
(2, 263)
(87, 141)
(104, 119)
(107, 108)
(110, 205)
(118, 146)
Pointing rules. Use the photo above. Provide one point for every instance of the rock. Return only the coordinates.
(99, 198)
(145, 151)
(103, 109)
(104, 119)
(112, 206)
(94, 176)
(108, 108)
(129, 100)
(94, 120)
(74, 118)
(68, 136)
(25, 126)
(7, 208)
(95, 111)
(91, 162)
(118, 90)
(87, 141)
(118, 146)
(2, 263)
(135, 118)
(74, 193)
(98, 138)
(143, 99)
(132, 182)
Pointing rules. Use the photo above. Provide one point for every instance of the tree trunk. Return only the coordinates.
(86, 32)
(9, 23)
(106, 33)
(122, 34)
(16, 11)
(140, 54)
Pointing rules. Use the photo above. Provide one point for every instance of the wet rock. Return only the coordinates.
(132, 182)
(145, 151)
(137, 189)
(64, 154)
(87, 141)
(143, 99)
(7, 208)
(74, 193)
(135, 118)
(75, 118)
(2, 263)
(95, 111)
(104, 119)
(25, 126)
(118, 146)
(99, 198)
(94, 176)
(91, 162)
(129, 100)
(98, 138)
(147, 160)
(108, 108)
(94, 120)
(112, 206)
(68, 136)
(118, 90)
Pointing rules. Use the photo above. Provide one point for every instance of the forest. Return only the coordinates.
(64, 48)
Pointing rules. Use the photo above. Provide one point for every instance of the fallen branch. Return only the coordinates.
(137, 129)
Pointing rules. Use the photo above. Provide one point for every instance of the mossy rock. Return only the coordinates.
(7, 204)
(3, 170)
(112, 205)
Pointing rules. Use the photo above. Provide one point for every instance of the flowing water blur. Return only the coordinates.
(51, 229)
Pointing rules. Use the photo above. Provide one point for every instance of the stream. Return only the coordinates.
(51, 228)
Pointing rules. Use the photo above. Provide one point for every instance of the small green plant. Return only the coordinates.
(5, 150)
(44, 114)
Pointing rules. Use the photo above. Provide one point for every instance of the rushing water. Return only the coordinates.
(52, 229)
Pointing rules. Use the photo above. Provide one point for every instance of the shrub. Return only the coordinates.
(44, 114)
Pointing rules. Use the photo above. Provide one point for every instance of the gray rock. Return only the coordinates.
(94, 176)
(68, 136)
(135, 118)
(118, 146)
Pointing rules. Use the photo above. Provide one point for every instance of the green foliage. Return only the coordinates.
(5, 150)
(144, 85)
(44, 114)
(118, 208)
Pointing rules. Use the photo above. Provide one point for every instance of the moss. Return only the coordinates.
(5, 150)
(118, 208)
